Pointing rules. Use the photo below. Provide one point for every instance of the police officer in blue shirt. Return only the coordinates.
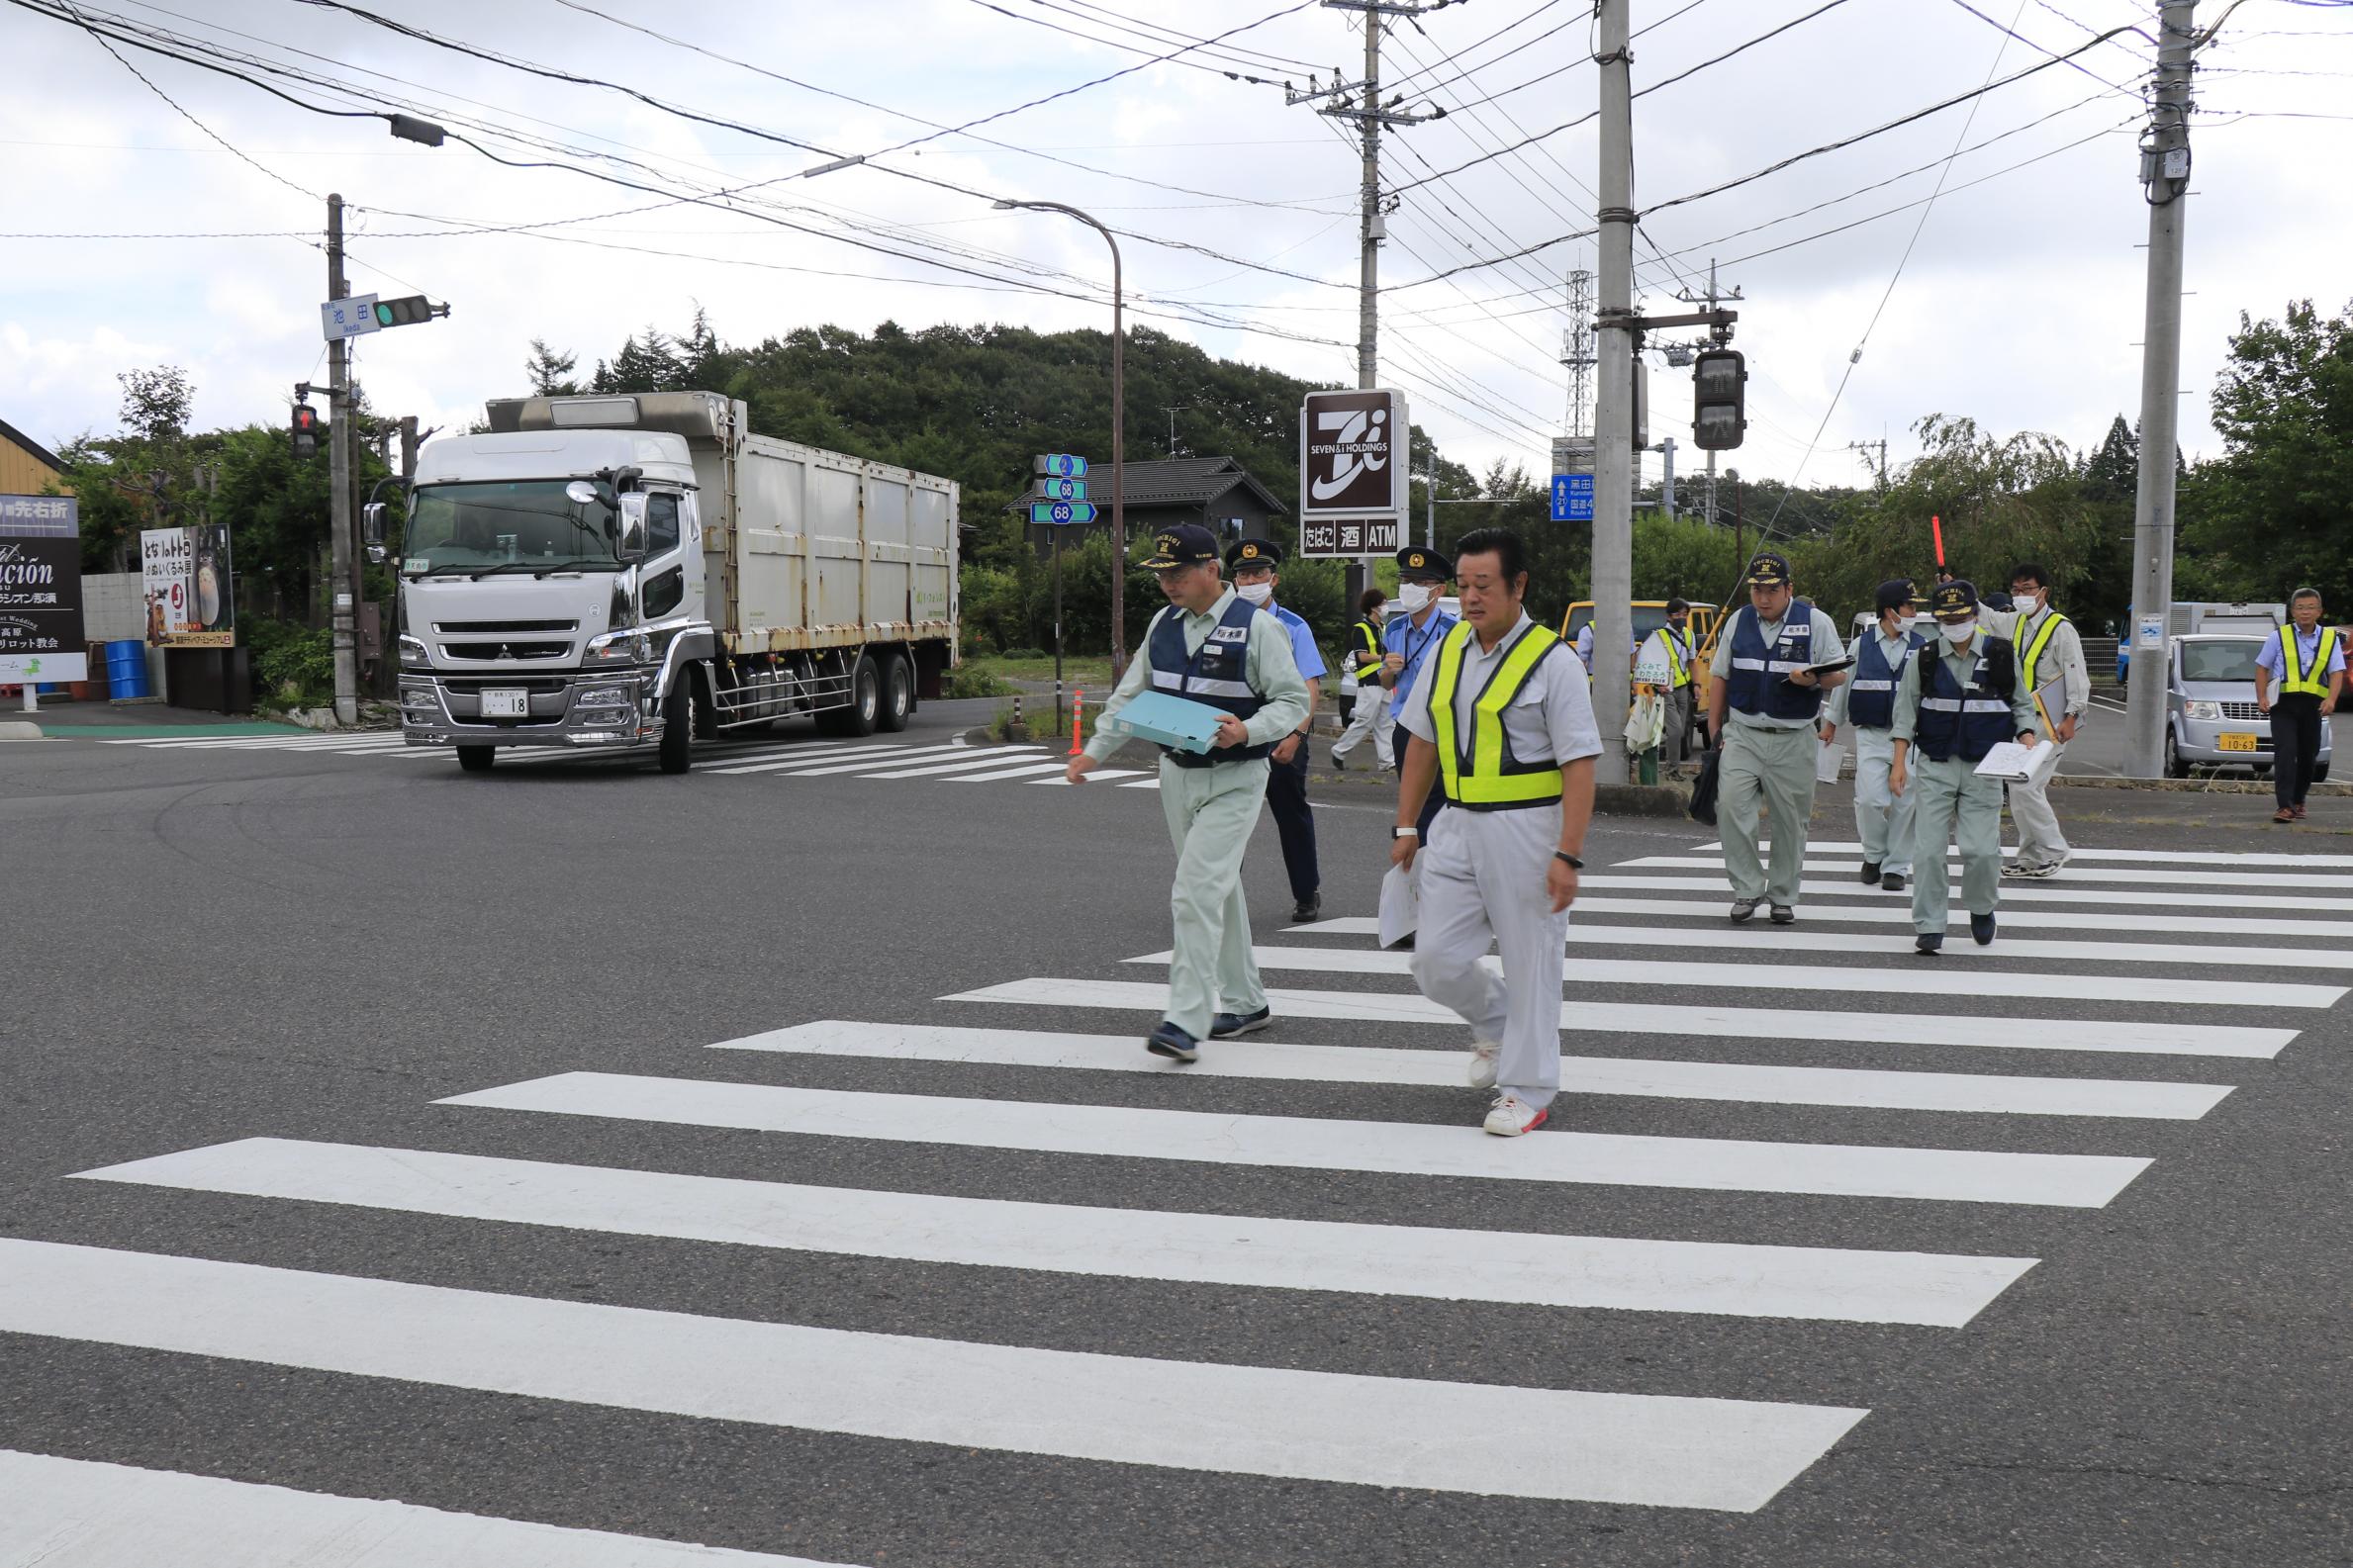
(1252, 565)
(1410, 638)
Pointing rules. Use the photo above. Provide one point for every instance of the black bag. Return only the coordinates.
(1703, 791)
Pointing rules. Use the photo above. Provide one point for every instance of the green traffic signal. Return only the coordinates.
(409, 310)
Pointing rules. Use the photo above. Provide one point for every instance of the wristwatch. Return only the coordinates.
(1574, 863)
(1405, 833)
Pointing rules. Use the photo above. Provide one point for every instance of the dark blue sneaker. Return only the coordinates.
(1225, 1026)
(1982, 928)
(1174, 1043)
(1929, 943)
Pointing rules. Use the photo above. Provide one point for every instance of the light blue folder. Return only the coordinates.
(1168, 720)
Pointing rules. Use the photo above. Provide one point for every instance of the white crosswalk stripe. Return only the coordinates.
(2140, 984)
(2078, 853)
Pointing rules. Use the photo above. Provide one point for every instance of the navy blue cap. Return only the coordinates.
(1953, 600)
(1185, 544)
(1414, 561)
(1894, 593)
(1769, 571)
(1252, 553)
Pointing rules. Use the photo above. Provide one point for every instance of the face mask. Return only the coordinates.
(2025, 604)
(1259, 593)
(1380, 613)
(1958, 632)
(1905, 623)
(1416, 597)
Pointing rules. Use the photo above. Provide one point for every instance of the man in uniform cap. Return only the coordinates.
(1867, 705)
(1210, 646)
(1251, 564)
(1412, 635)
(1956, 702)
(1762, 705)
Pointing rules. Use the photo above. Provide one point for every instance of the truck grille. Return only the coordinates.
(471, 686)
(2241, 711)
(491, 652)
(501, 629)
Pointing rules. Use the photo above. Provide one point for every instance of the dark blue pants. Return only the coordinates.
(2295, 721)
(1294, 821)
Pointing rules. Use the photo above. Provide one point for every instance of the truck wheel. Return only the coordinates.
(897, 695)
(858, 720)
(476, 759)
(2175, 767)
(2320, 773)
(682, 713)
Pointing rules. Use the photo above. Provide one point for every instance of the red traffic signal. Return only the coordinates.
(1719, 412)
(306, 429)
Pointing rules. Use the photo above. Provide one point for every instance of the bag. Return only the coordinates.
(1703, 793)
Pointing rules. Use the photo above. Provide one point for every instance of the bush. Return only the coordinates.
(291, 662)
(968, 680)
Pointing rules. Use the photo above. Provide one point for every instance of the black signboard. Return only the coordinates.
(1353, 448)
(41, 590)
(1346, 536)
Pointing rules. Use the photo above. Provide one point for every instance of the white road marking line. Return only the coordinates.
(2150, 857)
(1099, 776)
(2204, 905)
(1586, 933)
(2080, 1181)
(1917, 979)
(881, 750)
(897, 754)
(1026, 771)
(962, 765)
(82, 1514)
(1482, 1439)
(1738, 1279)
(1727, 1023)
(1443, 1070)
(2177, 880)
(1153, 783)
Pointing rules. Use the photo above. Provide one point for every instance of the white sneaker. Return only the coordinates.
(1511, 1117)
(1482, 1064)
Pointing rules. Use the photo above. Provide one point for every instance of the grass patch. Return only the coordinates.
(1080, 672)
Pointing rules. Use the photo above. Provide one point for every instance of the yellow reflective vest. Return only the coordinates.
(2034, 650)
(2296, 681)
(1365, 664)
(1484, 775)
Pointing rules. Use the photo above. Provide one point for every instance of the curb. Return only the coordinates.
(1640, 801)
(19, 729)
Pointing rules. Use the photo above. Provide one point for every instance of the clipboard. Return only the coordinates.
(1177, 722)
(1831, 666)
(2050, 702)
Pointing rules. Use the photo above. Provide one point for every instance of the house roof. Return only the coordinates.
(10, 432)
(1181, 481)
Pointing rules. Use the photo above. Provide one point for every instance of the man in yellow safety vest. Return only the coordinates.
(2299, 677)
(2050, 656)
(1362, 678)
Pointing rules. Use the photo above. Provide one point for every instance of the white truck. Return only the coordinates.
(606, 573)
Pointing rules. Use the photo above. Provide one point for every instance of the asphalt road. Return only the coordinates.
(214, 944)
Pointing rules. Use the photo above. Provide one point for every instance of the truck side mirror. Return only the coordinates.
(371, 528)
(630, 545)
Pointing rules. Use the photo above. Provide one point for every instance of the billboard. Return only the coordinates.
(41, 590)
(186, 573)
(1354, 452)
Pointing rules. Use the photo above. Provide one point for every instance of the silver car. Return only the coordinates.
(2211, 716)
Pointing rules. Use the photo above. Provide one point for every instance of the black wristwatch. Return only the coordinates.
(1574, 863)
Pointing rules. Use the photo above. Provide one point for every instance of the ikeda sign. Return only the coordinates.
(1352, 454)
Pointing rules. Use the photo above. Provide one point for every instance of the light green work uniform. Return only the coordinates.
(1952, 802)
(1766, 761)
(1211, 812)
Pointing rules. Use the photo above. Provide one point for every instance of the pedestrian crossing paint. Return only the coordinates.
(81, 1514)
(2004, 1033)
(1283, 1062)
(2202, 907)
(1485, 1438)
(1330, 1144)
(2075, 853)
(2177, 880)
(1618, 1273)
(1928, 981)
(1592, 934)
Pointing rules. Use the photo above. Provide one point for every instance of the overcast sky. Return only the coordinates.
(2021, 306)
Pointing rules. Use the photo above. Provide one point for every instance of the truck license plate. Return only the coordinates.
(518, 704)
(2236, 742)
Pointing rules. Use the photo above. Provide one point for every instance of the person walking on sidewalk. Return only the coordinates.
(1253, 565)
(1410, 638)
(2049, 650)
(1762, 705)
(1371, 716)
(1956, 702)
(2299, 677)
(1210, 646)
(1866, 703)
(1503, 716)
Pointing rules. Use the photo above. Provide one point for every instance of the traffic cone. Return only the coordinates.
(1078, 722)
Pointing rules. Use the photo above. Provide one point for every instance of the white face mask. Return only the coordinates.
(1416, 597)
(1905, 623)
(1958, 632)
(2025, 604)
(1380, 613)
(1259, 593)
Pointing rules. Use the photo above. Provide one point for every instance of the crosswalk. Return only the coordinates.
(1950, 1086)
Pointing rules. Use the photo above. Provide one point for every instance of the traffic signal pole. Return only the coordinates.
(343, 600)
(1613, 405)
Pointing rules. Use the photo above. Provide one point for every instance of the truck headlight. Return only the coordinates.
(625, 646)
(608, 697)
(414, 655)
(2209, 711)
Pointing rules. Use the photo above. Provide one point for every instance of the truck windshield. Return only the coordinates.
(529, 522)
(2220, 661)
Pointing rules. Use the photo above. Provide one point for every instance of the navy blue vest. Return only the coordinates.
(1970, 720)
(1217, 676)
(1759, 682)
(1871, 693)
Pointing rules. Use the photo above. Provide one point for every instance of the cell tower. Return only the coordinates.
(1576, 351)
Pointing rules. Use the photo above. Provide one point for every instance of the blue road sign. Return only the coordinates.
(1060, 465)
(1572, 497)
(1061, 513)
(1063, 488)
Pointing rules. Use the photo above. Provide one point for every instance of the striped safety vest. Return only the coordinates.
(1484, 775)
(1215, 673)
(1365, 664)
(1678, 657)
(2295, 679)
(2042, 636)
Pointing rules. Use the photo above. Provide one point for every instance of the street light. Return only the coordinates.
(1118, 429)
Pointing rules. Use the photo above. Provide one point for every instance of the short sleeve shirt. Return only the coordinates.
(1552, 716)
(1415, 643)
(1824, 645)
(1303, 649)
(2307, 649)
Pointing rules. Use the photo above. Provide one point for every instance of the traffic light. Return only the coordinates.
(306, 429)
(1718, 412)
(409, 310)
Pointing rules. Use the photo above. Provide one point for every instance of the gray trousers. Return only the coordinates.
(1675, 744)
(1882, 820)
(1211, 812)
(1774, 768)
(1482, 879)
(1953, 805)
(2040, 840)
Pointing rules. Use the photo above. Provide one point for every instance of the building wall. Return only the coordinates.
(23, 474)
(113, 605)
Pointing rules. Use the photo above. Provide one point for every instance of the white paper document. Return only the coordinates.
(2015, 762)
(1827, 755)
(1401, 905)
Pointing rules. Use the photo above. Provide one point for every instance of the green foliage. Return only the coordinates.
(294, 661)
(1682, 558)
(968, 681)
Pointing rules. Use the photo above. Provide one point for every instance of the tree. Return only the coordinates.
(2111, 471)
(550, 373)
(155, 404)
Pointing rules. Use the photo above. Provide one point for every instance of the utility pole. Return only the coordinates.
(2165, 184)
(1172, 413)
(1667, 493)
(1714, 298)
(1864, 449)
(344, 603)
(1613, 411)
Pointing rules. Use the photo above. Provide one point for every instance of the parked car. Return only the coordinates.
(2211, 716)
